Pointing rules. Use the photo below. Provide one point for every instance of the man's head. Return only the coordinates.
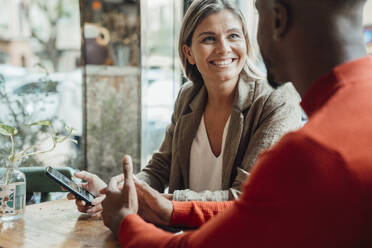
(295, 35)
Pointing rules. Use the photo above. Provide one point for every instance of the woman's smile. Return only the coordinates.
(218, 48)
(222, 62)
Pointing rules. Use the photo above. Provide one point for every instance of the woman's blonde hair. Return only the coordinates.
(196, 13)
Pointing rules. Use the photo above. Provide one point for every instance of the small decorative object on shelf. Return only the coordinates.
(13, 181)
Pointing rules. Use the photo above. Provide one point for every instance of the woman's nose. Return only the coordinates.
(223, 46)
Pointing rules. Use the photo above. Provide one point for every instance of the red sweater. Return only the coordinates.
(312, 189)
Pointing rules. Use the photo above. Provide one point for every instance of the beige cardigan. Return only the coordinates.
(260, 116)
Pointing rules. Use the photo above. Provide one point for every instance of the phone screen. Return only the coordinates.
(70, 185)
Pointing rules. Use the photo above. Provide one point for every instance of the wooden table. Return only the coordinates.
(55, 224)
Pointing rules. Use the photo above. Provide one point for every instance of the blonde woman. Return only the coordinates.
(224, 117)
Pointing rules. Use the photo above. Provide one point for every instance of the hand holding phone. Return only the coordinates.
(79, 192)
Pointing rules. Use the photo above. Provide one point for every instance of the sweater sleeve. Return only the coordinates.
(206, 195)
(299, 195)
(194, 214)
(135, 232)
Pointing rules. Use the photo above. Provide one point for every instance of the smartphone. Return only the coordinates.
(67, 183)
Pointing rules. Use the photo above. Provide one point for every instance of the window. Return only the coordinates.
(39, 76)
(111, 88)
(367, 21)
(160, 71)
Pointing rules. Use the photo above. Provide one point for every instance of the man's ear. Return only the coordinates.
(187, 51)
(280, 20)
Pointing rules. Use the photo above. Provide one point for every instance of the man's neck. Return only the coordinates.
(316, 45)
(317, 64)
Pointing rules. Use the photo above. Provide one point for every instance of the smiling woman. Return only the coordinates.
(238, 24)
(226, 116)
(218, 48)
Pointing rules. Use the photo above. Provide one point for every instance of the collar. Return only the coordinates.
(322, 89)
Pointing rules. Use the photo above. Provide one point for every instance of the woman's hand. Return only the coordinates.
(153, 206)
(167, 196)
(94, 185)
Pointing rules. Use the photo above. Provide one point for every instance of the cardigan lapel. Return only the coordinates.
(187, 126)
(242, 101)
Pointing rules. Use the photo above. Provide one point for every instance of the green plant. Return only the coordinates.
(15, 107)
(31, 150)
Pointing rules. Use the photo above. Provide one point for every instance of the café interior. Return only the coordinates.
(97, 79)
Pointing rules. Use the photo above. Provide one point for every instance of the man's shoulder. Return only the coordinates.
(344, 121)
(300, 142)
(297, 155)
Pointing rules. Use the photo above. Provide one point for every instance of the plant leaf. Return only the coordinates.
(41, 123)
(58, 139)
(8, 130)
(69, 129)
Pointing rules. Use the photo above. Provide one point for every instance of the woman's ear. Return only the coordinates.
(280, 20)
(187, 51)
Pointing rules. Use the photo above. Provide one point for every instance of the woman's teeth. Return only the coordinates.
(222, 62)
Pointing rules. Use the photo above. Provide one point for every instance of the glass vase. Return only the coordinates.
(12, 192)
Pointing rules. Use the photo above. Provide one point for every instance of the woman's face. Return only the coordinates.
(218, 47)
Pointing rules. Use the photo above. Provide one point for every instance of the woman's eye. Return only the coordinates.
(234, 36)
(208, 39)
